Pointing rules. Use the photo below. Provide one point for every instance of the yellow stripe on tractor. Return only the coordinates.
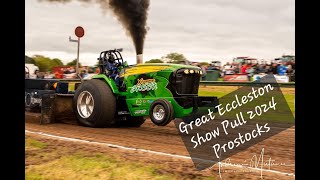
(146, 69)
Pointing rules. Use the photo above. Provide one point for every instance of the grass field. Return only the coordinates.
(81, 165)
(220, 91)
(52, 162)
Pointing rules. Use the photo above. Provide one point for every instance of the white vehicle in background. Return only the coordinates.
(31, 71)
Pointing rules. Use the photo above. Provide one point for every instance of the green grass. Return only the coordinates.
(34, 176)
(103, 167)
(99, 166)
(281, 115)
(290, 98)
(34, 144)
(68, 164)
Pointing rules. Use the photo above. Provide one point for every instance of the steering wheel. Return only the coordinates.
(118, 64)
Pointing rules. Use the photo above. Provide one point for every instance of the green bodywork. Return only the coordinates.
(146, 83)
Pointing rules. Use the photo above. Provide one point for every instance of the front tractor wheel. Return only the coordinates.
(94, 104)
(161, 112)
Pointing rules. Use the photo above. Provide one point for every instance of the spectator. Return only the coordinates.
(228, 69)
(282, 69)
(261, 69)
(289, 68)
(72, 70)
(90, 70)
(83, 74)
(274, 68)
(212, 67)
(67, 71)
(98, 71)
(236, 68)
(204, 72)
(244, 68)
(268, 69)
(250, 71)
(293, 66)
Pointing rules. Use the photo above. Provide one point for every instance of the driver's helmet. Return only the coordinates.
(111, 58)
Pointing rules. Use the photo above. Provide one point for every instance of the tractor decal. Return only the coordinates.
(144, 85)
(140, 111)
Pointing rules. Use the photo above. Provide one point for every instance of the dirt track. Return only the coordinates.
(166, 139)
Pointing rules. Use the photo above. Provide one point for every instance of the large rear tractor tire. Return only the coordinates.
(161, 112)
(94, 104)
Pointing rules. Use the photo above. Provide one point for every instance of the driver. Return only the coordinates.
(113, 69)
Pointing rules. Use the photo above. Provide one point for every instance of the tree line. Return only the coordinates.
(47, 64)
(175, 58)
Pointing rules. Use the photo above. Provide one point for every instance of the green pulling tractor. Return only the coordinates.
(122, 94)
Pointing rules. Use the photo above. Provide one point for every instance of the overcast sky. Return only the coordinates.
(202, 30)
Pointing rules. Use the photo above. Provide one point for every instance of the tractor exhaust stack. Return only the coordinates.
(139, 59)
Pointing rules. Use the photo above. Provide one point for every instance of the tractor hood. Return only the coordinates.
(155, 67)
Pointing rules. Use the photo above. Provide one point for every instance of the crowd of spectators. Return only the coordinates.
(277, 68)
